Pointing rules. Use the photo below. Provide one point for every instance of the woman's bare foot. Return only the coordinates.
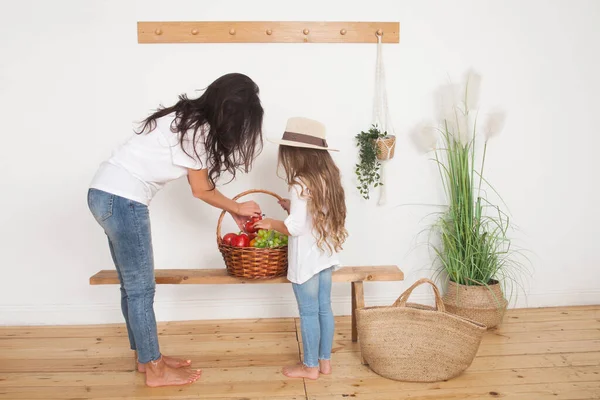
(170, 361)
(301, 371)
(325, 367)
(158, 373)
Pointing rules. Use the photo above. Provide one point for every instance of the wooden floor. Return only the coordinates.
(537, 354)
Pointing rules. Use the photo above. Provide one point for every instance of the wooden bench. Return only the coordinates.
(354, 275)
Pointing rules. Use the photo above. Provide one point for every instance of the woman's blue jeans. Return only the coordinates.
(316, 317)
(127, 225)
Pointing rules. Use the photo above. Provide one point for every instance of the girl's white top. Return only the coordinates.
(305, 259)
(146, 163)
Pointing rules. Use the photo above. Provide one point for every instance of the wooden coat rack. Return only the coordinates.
(268, 32)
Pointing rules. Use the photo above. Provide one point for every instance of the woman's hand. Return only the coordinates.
(285, 204)
(240, 221)
(244, 212)
(248, 209)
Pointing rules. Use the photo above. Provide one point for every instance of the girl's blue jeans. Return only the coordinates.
(316, 317)
(127, 226)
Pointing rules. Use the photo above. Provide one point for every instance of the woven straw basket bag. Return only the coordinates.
(417, 343)
(253, 262)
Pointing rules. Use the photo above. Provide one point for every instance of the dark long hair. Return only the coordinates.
(231, 108)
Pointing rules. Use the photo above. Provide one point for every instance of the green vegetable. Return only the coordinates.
(270, 239)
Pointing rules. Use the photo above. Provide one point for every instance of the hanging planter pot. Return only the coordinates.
(484, 304)
(386, 146)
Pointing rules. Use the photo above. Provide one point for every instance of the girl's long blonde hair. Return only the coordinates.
(316, 170)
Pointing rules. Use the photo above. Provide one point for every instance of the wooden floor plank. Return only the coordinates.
(525, 325)
(546, 326)
(68, 379)
(125, 364)
(25, 332)
(216, 382)
(118, 347)
(164, 328)
(512, 318)
(360, 379)
(44, 365)
(495, 363)
(227, 326)
(502, 337)
(499, 337)
(543, 391)
(503, 349)
(522, 361)
(137, 390)
(579, 346)
(553, 309)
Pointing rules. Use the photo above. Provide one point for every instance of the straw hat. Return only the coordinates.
(304, 132)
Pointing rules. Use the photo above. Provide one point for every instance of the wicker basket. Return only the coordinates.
(252, 262)
(479, 303)
(417, 343)
(386, 146)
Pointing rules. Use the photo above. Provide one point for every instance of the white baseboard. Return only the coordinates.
(69, 314)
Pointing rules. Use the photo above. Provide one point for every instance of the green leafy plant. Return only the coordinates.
(474, 246)
(368, 167)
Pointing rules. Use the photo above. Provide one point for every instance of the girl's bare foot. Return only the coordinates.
(325, 367)
(170, 361)
(301, 371)
(158, 373)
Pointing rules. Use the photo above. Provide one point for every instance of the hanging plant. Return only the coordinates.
(375, 146)
(368, 167)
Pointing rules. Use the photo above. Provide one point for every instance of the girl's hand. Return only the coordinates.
(247, 209)
(265, 224)
(285, 204)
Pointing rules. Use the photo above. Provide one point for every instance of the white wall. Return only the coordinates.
(73, 80)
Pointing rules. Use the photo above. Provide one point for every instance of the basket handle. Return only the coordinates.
(439, 304)
(247, 192)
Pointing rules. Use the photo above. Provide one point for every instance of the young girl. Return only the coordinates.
(317, 213)
(202, 138)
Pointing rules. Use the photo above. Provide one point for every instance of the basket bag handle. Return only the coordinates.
(247, 192)
(439, 304)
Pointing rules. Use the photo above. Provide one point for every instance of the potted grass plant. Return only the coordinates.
(471, 245)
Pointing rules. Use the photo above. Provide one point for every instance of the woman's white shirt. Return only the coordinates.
(144, 164)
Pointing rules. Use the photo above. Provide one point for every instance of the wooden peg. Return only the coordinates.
(269, 32)
(232, 31)
(343, 32)
(379, 32)
(306, 31)
(158, 31)
(194, 31)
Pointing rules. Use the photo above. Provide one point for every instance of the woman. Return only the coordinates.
(221, 131)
